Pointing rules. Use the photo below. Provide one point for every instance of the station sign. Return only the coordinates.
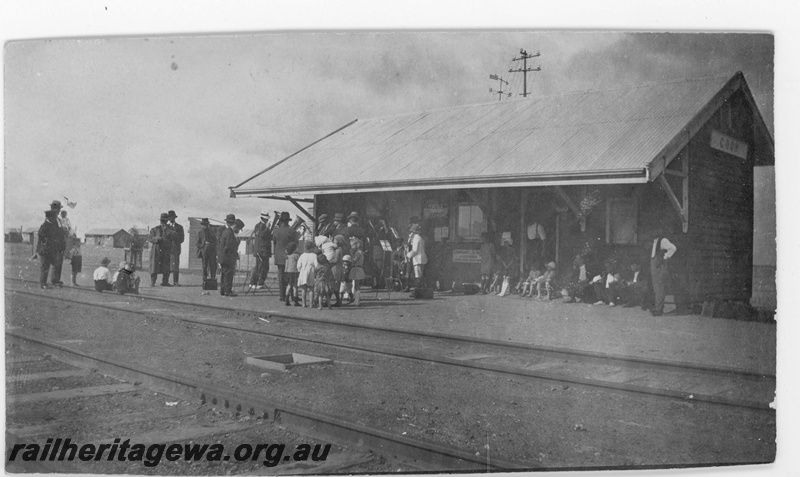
(725, 143)
(466, 256)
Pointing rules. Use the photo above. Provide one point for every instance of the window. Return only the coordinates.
(471, 222)
(621, 221)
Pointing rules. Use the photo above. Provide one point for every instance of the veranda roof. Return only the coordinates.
(624, 135)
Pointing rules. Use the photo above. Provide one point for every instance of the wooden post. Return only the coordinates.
(558, 235)
(523, 243)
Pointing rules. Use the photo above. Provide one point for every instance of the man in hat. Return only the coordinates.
(207, 250)
(417, 254)
(409, 267)
(228, 254)
(281, 237)
(337, 227)
(175, 251)
(323, 224)
(262, 249)
(50, 249)
(161, 237)
(354, 228)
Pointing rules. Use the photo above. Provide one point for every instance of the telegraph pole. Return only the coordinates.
(524, 56)
(499, 92)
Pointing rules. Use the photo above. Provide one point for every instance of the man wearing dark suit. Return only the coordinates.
(262, 249)
(229, 254)
(207, 250)
(161, 237)
(50, 249)
(175, 251)
(660, 254)
(282, 236)
(337, 227)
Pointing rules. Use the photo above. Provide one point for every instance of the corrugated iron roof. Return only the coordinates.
(104, 231)
(603, 136)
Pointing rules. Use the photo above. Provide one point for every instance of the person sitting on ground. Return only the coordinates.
(488, 260)
(633, 292)
(102, 276)
(323, 281)
(509, 264)
(606, 288)
(291, 274)
(580, 289)
(497, 280)
(529, 284)
(546, 281)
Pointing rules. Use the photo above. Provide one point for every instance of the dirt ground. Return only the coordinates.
(536, 423)
(527, 421)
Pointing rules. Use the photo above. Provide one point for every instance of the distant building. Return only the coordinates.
(29, 234)
(13, 235)
(116, 238)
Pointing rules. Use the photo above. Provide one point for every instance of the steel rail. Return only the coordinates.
(594, 356)
(314, 424)
(630, 388)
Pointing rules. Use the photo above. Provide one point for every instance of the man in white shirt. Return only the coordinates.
(660, 254)
(103, 279)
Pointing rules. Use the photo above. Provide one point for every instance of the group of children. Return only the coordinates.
(499, 272)
(327, 269)
(123, 281)
(539, 281)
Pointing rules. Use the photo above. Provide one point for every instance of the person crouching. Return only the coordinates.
(102, 276)
(125, 280)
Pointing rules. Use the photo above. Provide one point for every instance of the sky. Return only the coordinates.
(130, 127)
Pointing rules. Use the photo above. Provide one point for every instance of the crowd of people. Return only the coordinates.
(605, 282)
(325, 265)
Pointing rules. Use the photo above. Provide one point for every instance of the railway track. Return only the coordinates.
(683, 381)
(56, 391)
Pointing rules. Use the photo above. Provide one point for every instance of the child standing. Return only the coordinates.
(357, 273)
(291, 273)
(306, 265)
(323, 280)
(74, 256)
(337, 267)
(346, 285)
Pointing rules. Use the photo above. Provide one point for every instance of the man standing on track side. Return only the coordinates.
(262, 249)
(175, 251)
(161, 240)
(280, 239)
(50, 249)
(662, 251)
(228, 254)
(207, 250)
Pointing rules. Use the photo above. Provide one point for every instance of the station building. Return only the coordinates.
(592, 170)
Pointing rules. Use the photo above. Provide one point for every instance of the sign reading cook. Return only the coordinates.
(728, 144)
